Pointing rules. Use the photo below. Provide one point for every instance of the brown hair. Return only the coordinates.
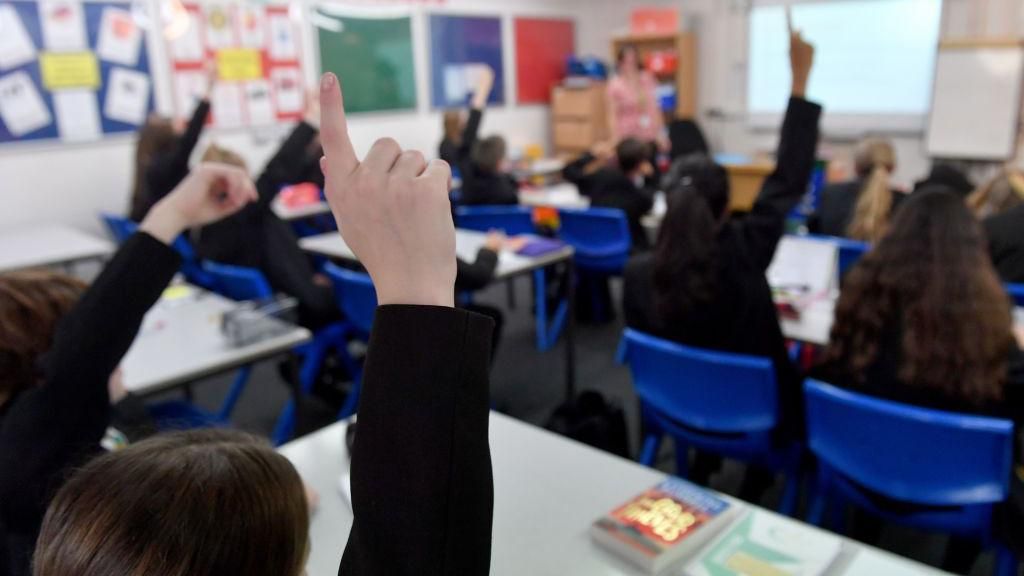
(156, 137)
(215, 153)
(197, 503)
(488, 153)
(875, 160)
(930, 276)
(32, 303)
(999, 194)
(453, 126)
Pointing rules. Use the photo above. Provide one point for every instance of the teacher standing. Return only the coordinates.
(633, 110)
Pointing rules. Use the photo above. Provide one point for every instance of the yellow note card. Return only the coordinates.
(69, 70)
(238, 64)
(178, 292)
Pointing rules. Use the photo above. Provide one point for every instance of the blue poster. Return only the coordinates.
(458, 46)
(71, 70)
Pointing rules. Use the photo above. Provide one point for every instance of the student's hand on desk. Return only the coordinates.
(392, 210)
(209, 193)
(801, 58)
(495, 240)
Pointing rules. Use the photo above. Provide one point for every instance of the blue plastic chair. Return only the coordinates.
(947, 471)
(357, 299)
(120, 228)
(717, 402)
(1016, 291)
(600, 237)
(512, 220)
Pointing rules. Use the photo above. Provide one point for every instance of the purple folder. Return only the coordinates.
(540, 246)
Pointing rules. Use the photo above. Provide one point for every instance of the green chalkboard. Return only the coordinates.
(372, 57)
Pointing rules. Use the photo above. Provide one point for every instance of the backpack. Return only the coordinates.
(594, 421)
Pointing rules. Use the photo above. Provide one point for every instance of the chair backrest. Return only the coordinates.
(237, 282)
(120, 228)
(600, 236)
(1016, 291)
(850, 252)
(710, 391)
(909, 453)
(356, 295)
(512, 220)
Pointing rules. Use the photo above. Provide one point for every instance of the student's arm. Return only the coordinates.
(478, 274)
(421, 471)
(50, 427)
(290, 164)
(798, 142)
(476, 114)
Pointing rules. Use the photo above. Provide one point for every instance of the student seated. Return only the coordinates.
(620, 185)
(257, 238)
(949, 175)
(478, 274)
(60, 347)
(923, 320)
(460, 131)
(860, 209)
(162, 152)
(704, 283)
(424, 411)
(1000, 202)
(486, 180)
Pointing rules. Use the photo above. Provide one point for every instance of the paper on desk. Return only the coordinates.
(127, 96)
(16, 47)
(21, 107)
(120, 38)
(63, 25)
(803, 265)
(78, 117)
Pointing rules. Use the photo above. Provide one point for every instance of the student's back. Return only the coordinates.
(1000, 204)
(486, 182)
(860, 209)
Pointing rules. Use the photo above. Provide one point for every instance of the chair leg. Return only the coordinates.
(228, 405)
(790, 494)
(650, 449)
(682, 459)
(1006, 562)
(510, 289)
(541, 295)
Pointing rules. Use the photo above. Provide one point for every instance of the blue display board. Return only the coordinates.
(71, 70)
(458, 44)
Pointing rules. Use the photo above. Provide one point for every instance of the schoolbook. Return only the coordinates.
(763, 544)
(663, 525)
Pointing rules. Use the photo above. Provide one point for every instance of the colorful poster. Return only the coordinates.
(255, 49)
(70, 70)
(543, 46)
(459, 47)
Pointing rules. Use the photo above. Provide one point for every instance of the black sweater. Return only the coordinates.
(610, 188)
(457, 155)
(47, 430)
(1006, 243)
(422, 488)
(167, 171)
(742, 317)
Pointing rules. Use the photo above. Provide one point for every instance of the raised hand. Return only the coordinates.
(209, 193)
(801, 58)
(484, 84)
(392, 210)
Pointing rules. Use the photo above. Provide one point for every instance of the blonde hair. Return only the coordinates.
(875, 159)
(999, 194)
(215, 153)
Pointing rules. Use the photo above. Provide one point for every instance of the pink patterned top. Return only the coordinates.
(636, 112)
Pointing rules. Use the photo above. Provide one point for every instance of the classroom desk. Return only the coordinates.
(547, 492)
(292, 213)
(49, 245)
(563, 195)
(467, 244)
(745, 181)
(180, 341)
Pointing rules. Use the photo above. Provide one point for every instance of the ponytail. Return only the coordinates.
(871, 214)
(685, 257)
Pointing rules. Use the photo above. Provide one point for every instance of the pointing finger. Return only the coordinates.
(341, 157)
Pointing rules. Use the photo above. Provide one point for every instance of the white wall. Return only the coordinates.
(54, 182)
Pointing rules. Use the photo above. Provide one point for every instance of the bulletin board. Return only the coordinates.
(543, 46)
(71, 70)
(256, 51)
(459, 45)
(372, 57)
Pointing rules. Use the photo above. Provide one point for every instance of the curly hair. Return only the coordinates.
(931, 277)
(32, 303)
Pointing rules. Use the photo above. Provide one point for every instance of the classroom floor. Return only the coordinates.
(528, 385)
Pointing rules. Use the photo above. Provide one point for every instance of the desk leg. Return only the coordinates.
(284, 429)
(540, 291)
(570, 331)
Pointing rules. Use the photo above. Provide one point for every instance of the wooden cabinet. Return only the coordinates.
(579, 117)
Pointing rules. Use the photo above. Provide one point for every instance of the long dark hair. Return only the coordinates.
(685, 257)
(199, 503)
(931, 276)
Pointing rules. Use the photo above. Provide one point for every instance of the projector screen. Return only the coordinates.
(874, 62)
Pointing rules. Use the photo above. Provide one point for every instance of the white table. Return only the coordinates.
(547, 492)
(49, 245)
(180, 341)
(292, 213)
(563, 195)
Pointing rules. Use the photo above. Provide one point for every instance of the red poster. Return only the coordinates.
(542, 48)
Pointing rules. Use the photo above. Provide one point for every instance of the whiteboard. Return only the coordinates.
(976, 103)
